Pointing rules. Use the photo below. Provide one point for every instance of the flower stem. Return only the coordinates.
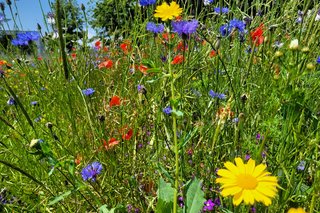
(174, 127)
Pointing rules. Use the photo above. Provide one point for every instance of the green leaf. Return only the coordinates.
(165, 197)
(178, 113)
(195, 197)
(103, 209)
(59, 198)
(165, 191)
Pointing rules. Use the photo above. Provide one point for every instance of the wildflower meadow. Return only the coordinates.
(182, 106)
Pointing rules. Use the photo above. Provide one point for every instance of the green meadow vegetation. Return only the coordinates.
(187, 106)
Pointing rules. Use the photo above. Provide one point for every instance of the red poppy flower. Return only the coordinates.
(73, 55)
(106, 64)
(128, 135)
(125, 46)
(181, 47)
(143, 69)
(111, 143)
(97, 45)
(177, 60)
(165, 36)
(114, 101)
(257, 35)
(213, 53)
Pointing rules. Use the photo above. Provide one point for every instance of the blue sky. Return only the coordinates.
(30, 13)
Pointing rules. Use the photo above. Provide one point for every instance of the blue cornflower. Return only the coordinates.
(237, 24)
(147, 2)
(185, 28)
(23, 39)
(167, 110)
(11, 101)
(222, 10)
(207, 2)
(88, 92)
(91, 171)
(233, 24)
(318, 60)
(223, 30)
(217, 95)
(155, 28)
(301, 165)
(34, 103)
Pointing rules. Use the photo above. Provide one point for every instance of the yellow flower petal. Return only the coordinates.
(248, 197)
(225, 173)
(238, 198)
(250, 166)
(230, 191)
(240, 165)
(258, 170)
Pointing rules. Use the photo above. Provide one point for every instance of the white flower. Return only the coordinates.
(294, 44)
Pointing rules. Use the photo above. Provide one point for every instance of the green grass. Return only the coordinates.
(276, 96)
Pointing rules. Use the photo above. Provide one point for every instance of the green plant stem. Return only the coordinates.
(174, 127)
(62, 44)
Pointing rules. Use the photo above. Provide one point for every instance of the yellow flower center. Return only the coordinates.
(247, 181)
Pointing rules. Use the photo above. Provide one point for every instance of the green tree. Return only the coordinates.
(114, 17)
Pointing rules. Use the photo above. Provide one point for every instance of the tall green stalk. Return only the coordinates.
(174, 127)
(62, 44)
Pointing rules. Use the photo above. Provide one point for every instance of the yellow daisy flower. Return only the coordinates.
(166, 12)
(298, 210)
(247, 182)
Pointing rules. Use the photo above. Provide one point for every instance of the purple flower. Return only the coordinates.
(147, 2)
(217, 95)
(167, 110)
(185, 28)
(208, 205)
(11, 101)
(217, 201)
(222, 10)
(155, 28)
(91, 171)
(141, 88)
(34, 103)
(301, 165)
(247, 157)
(318, 60)
(88, 92)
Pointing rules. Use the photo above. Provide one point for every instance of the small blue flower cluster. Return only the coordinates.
(217, 95)
(239, 25)
(23, 39)
(147, 2)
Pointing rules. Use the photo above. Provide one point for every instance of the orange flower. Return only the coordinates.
(78, 159)
(143, 69)
(3, 62)
(114, 101)
(212, 54)
(178, 59)
(128, 135)
(106, 64)
(257, 35)
(165, 36)
(111, 143)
